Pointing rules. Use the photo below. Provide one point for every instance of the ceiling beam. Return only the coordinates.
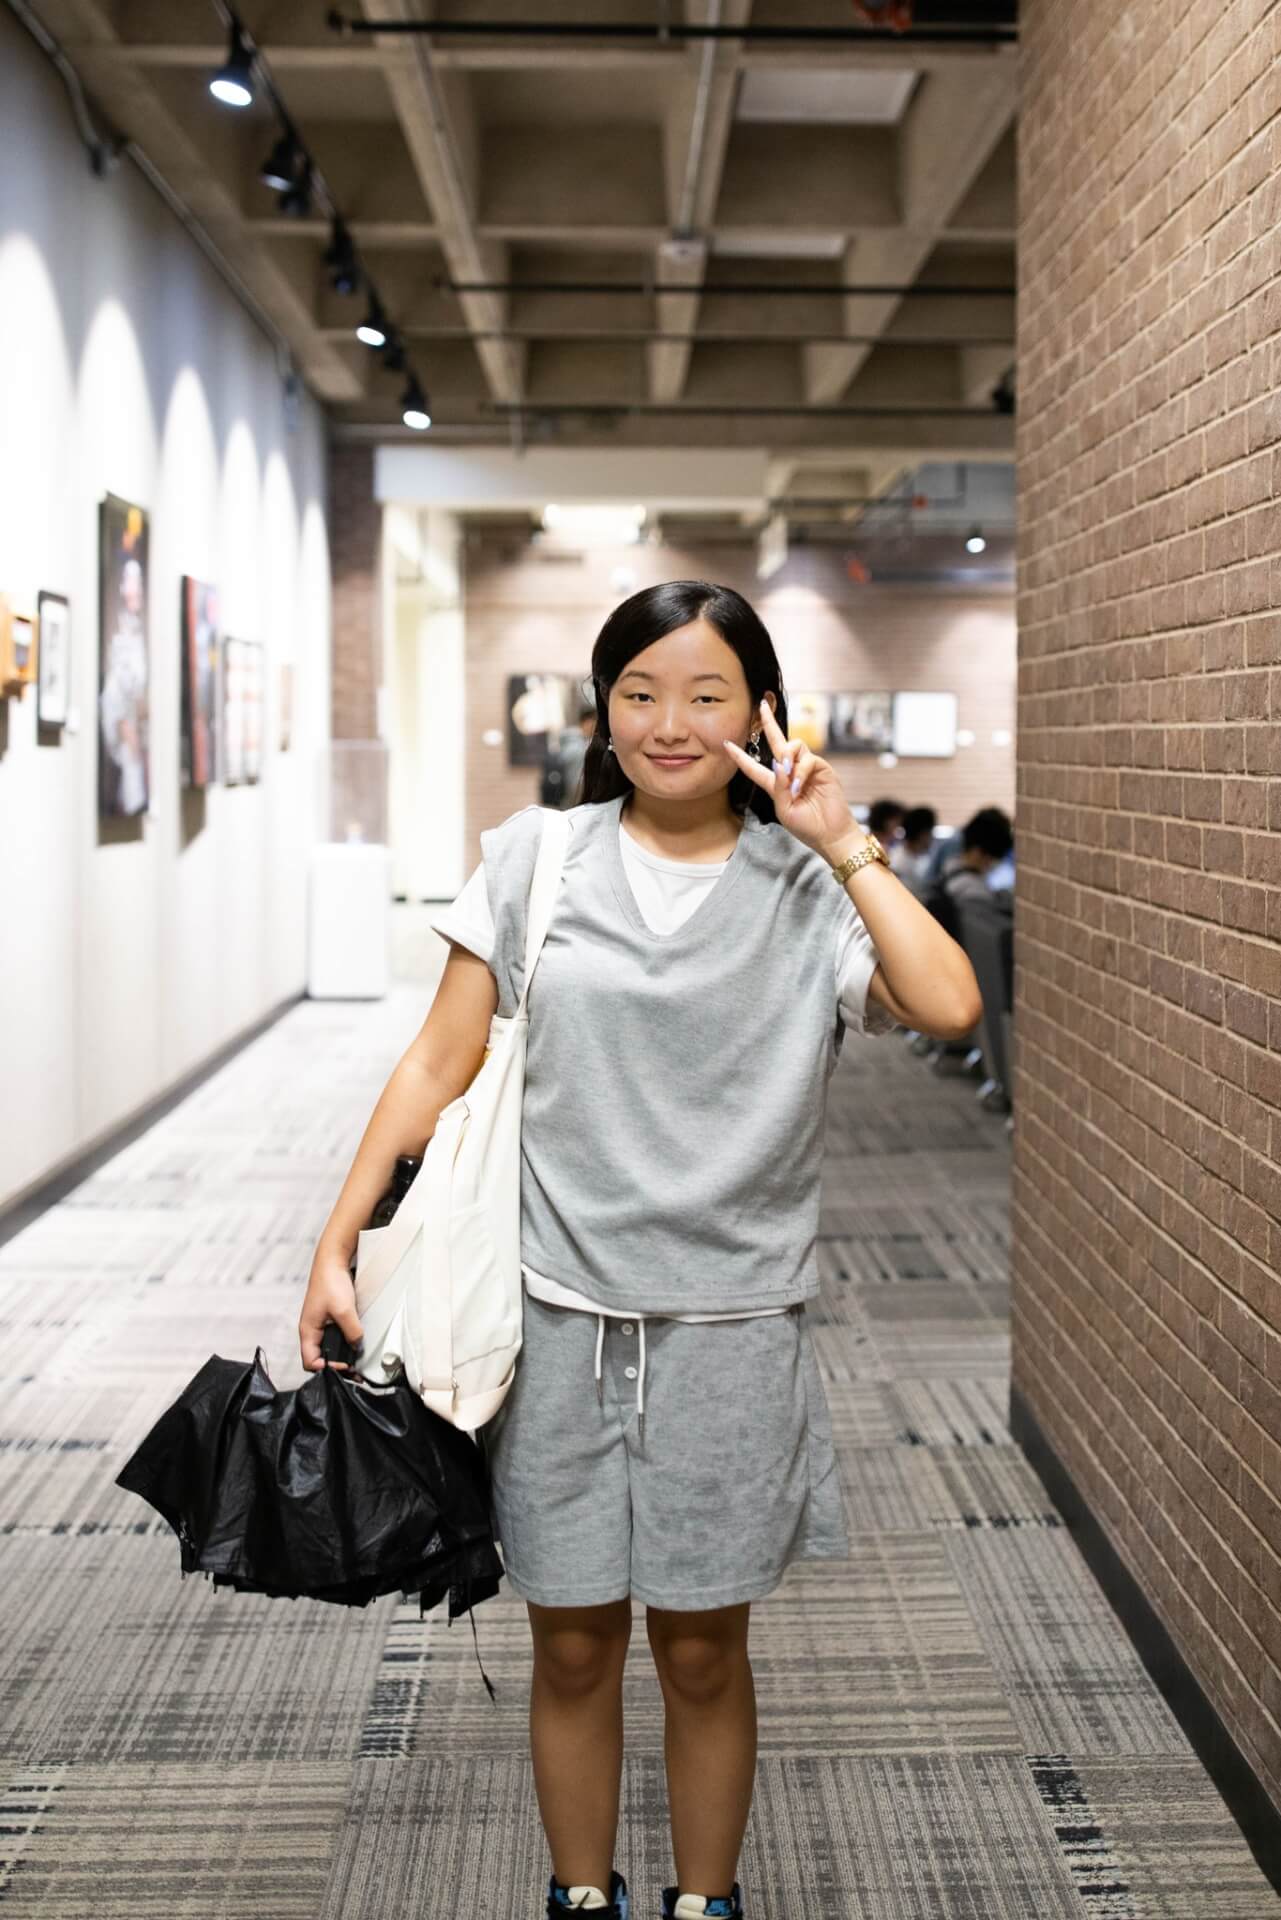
(439, 128)
(950, 129)
(522, 56)
(696, 141)
(981, 369)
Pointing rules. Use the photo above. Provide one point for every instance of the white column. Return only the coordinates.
(423, 612)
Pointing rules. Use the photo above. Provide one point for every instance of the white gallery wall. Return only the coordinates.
(131, 951)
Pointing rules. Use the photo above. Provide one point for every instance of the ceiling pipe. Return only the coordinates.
(706, 336)
(617, 410)
(979, 35)
(441, 284)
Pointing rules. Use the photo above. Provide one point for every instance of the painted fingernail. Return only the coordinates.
(796, 786)
(773, 766)
(787, 765)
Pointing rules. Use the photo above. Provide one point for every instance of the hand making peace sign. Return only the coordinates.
(806, 793)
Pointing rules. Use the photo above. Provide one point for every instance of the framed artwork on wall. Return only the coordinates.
(285, 718)
(540, 706)
(925, 725)
(18, 649)
(53, 693)
(808, 716)
(860, 723)
(242, 673)
(198, 719)
(123, 662)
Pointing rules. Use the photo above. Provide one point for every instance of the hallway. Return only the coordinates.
(953, 1724)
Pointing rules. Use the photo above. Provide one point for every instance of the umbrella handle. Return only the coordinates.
(335, 1347)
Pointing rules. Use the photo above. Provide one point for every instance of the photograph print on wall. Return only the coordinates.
(285, 716)
(808, 717)
(198, 631)
(123, 665)
(53, 695)
(540, 707)
(17, 650)
(860, 723)
(242, 711)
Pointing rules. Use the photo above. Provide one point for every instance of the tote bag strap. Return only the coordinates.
(543, 890)
(397, 1236)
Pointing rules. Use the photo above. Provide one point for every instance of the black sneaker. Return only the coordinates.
(559, 1902)
(718, 1909)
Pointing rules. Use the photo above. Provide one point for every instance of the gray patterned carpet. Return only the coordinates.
(951, 1724)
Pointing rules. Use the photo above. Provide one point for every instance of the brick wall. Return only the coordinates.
(355, 521)
(1147, 1197)
(525, 615)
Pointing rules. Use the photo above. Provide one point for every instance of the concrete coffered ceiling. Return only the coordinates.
(476, 170)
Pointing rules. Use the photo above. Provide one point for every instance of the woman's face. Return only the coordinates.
(673, 705)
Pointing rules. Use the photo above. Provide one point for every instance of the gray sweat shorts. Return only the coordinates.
(735, 1476)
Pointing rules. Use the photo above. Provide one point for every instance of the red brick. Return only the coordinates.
(1147, 1229)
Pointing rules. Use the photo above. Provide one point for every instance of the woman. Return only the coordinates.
(666, 1437)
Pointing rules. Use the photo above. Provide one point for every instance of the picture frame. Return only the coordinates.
(199, 709)
(540, 706)
(124, 666)
(808, 717)
(19, 649)
(53, 687)
(25, 651)
(242, 711)
(924, 725)
(860, 722)
(285, 713)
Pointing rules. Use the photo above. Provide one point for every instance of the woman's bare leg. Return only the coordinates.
(710, 1740)
(576, 1734)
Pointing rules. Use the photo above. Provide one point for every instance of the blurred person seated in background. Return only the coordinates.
(910, 856)
(885, 820)
(987, 843)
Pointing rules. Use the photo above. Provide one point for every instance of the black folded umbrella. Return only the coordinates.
(337, 1491)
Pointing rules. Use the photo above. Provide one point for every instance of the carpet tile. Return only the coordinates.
(952, 1723)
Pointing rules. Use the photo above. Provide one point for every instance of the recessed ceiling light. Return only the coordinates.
(595, 525)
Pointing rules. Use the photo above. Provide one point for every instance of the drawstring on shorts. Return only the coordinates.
(640, 1382)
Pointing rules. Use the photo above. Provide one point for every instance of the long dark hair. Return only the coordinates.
(645, 617)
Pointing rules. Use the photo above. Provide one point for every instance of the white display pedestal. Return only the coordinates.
(349, 921)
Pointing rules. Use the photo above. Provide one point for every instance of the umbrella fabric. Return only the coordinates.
(335, 1491)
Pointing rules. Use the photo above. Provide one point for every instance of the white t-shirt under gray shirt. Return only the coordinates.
(666, 894)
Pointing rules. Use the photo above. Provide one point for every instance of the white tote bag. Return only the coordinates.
(438, 1290)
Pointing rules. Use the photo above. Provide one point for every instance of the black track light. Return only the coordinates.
(340, 258)
(233, 83)
(414, 410)
(284, 163)
(394, 353)
(373, 328)
(297, 201)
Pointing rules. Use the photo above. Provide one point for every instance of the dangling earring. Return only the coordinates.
(609, 746)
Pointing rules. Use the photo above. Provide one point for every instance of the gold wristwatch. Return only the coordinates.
(872, 850)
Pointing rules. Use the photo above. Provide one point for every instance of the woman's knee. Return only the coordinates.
(576, 1649)
(697, 1655)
